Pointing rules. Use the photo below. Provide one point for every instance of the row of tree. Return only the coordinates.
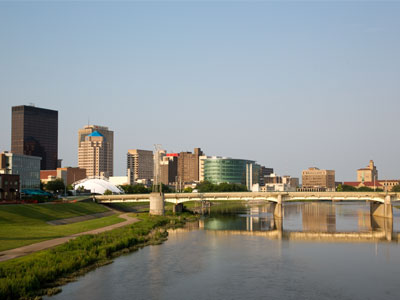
(57, 186)
(142, 189)
(202, 187)
(207, 187)
(349, 188)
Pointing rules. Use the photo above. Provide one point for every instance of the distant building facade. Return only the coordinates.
(202, 158)
(118, 180)
(292, 181)
(265, 172)
(272, 179)
(317, 179)
(385, 185)
(34, 132)
(169, 168)
(368, 177)
(140, 165)
(369, 173)
(26, 166)
(277, 187)
(9, 187)
(240, 171)
(188, 166)
(96, 151)
(69, 175)
(274, 183)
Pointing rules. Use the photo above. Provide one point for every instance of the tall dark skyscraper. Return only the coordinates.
(34, 131)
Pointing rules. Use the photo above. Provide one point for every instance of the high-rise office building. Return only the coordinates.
(169, 168)
(188, 166)
(95, 151)
(140, 165)
(34, 132)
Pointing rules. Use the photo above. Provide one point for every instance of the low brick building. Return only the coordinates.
(9, 187)
(69, 175)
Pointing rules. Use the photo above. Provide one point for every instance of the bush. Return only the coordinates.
(107, 192)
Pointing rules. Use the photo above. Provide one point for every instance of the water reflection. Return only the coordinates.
(243, 252)
(322, 221)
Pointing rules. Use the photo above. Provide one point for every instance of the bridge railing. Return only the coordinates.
(246, 196)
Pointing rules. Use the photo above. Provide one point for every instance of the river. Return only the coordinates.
(320, 251)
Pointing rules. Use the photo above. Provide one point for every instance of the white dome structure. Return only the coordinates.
(97, 186)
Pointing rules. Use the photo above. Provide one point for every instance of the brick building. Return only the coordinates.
(317, 179)
(188, 166)
(9, 187)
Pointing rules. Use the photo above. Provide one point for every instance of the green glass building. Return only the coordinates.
(218, 170)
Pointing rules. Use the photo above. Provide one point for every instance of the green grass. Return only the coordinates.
(22, 225)
(131, 206)
(33, 213)
(38, 273)
(135, 206)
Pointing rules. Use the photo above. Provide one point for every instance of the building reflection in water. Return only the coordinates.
(318, 217)
(313, 220)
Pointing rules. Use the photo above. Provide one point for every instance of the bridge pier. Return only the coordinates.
(157, 204)
(177, 208)
(383, 224)
(384, 210)
(277, 207)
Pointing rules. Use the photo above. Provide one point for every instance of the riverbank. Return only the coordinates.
(26, 250)
(26, 224)
(41, 273)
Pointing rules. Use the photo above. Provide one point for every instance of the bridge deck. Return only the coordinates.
(257, 196)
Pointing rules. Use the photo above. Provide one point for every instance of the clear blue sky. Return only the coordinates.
(289, 84)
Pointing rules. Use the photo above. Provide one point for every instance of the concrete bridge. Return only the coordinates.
(381, 203)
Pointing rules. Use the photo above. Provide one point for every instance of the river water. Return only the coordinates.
(319, 251)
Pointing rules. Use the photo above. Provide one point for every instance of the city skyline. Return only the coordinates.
(290, 86)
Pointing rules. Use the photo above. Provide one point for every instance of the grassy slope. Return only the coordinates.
(25, 276)
(136, 206)
(22, 225)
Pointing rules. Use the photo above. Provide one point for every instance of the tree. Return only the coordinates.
(165, 188)
(365, 189)
(107, 192)
(206, 187)
(188, 189)
(55, 185)
(396, 188)
(339, 188)
(348, 188)
(135, 189)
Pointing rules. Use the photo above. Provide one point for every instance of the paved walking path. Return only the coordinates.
(25, 250)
